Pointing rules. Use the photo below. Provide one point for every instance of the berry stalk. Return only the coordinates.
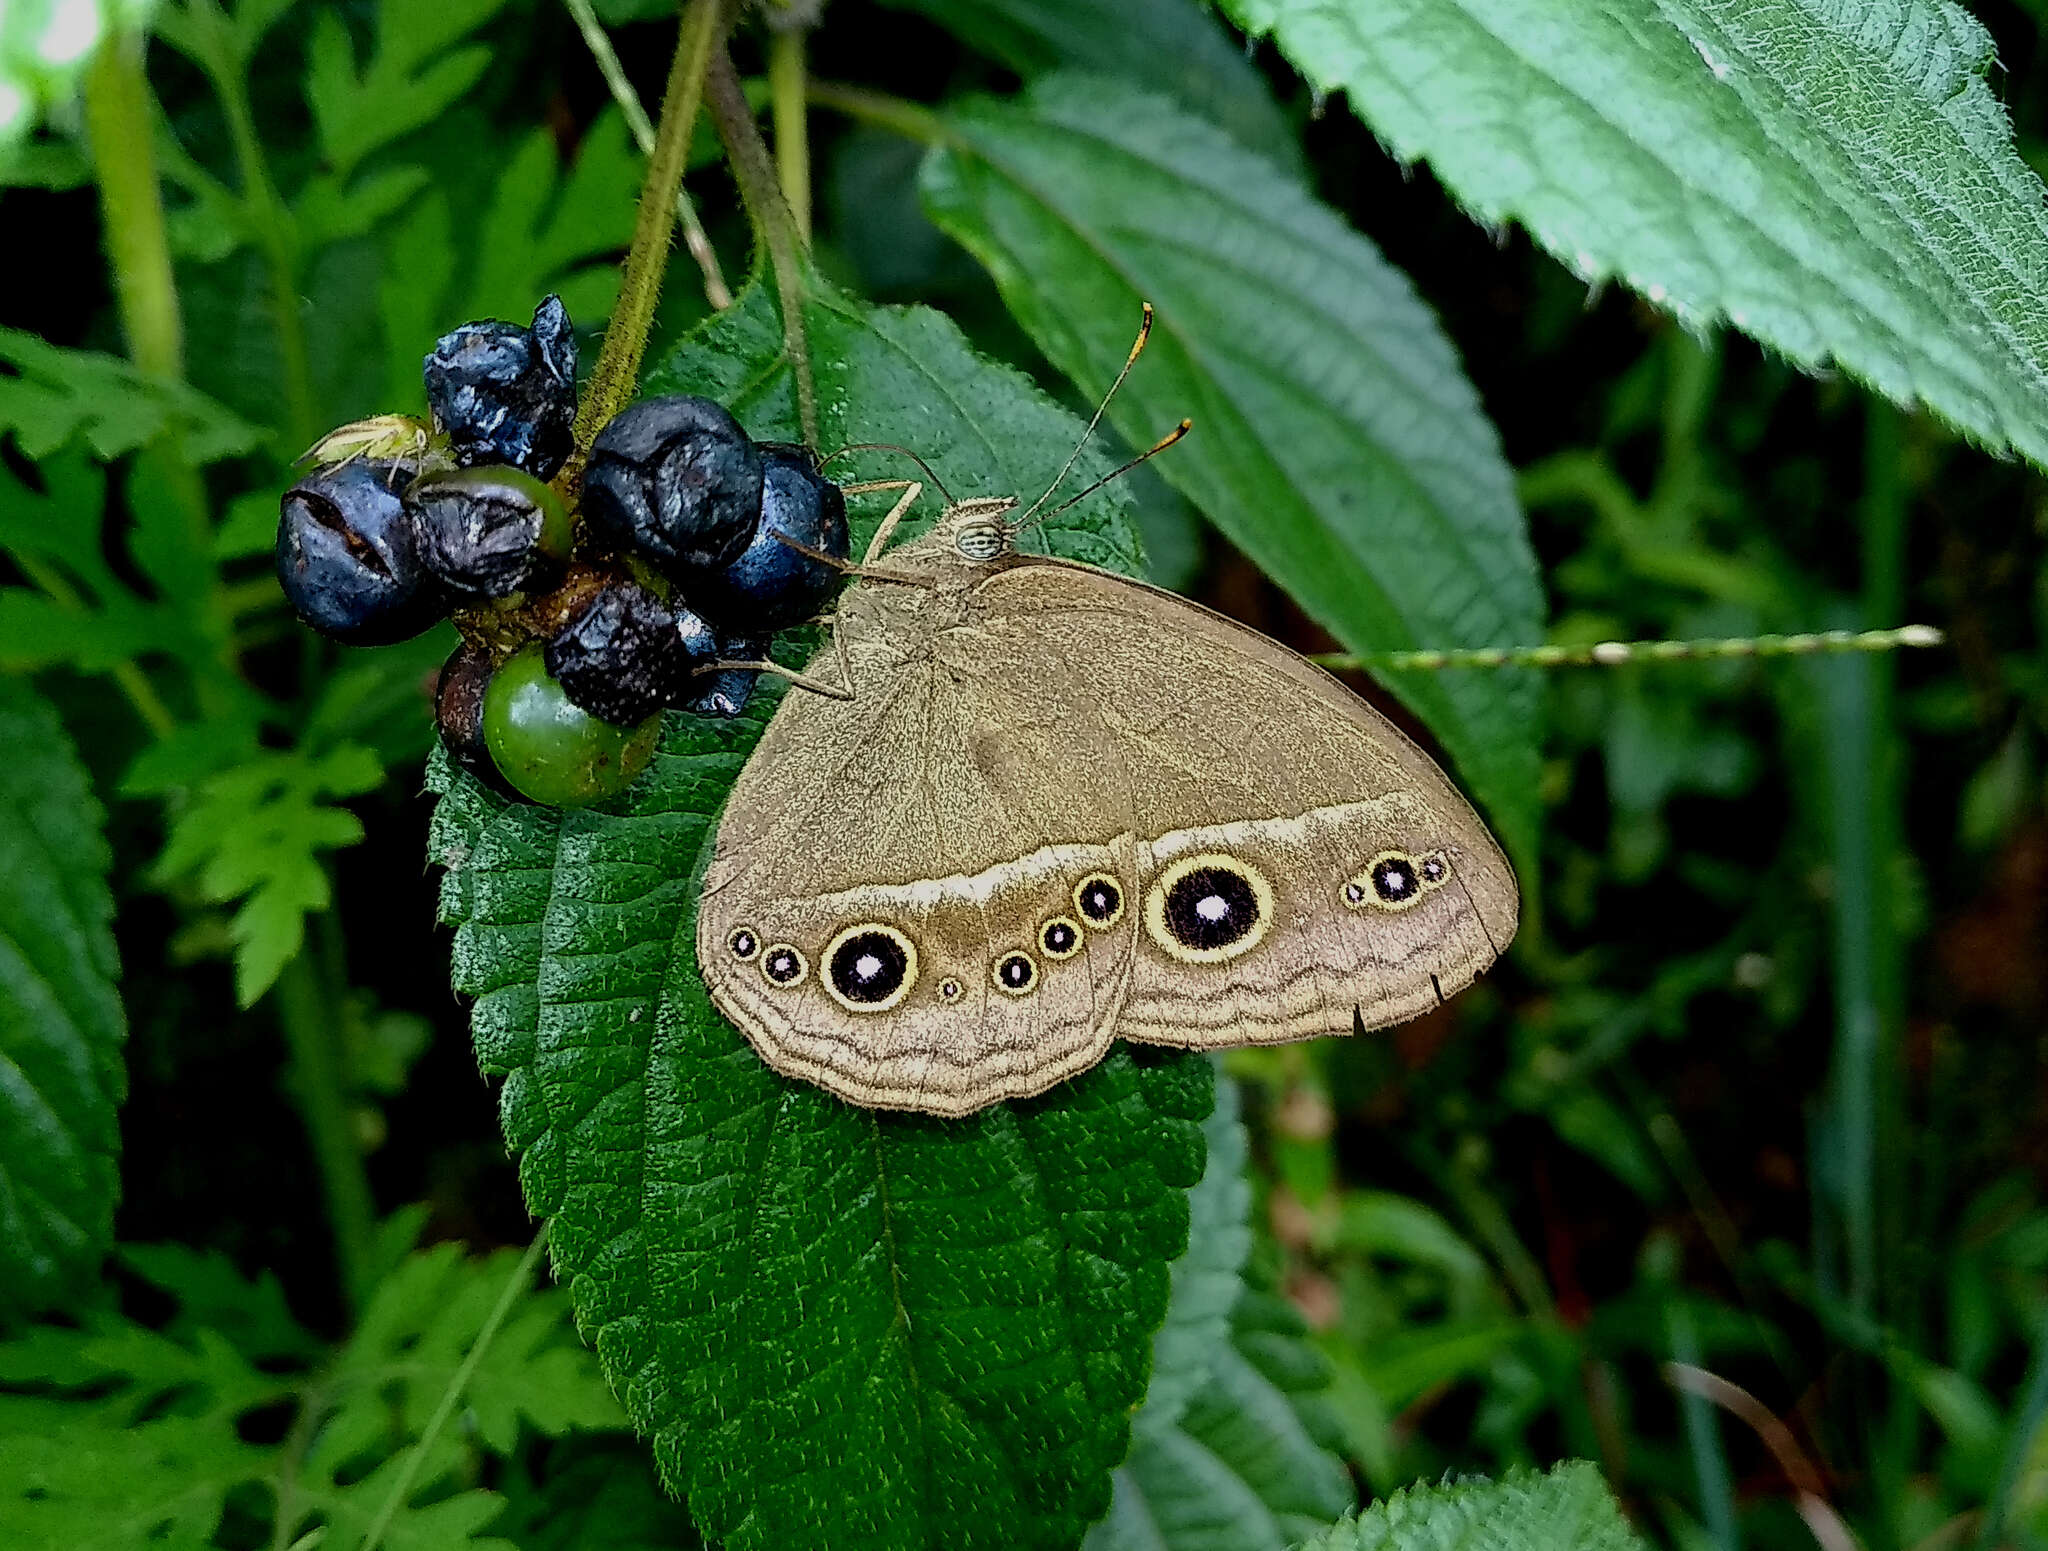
(1611, 654)
(773, 219)
(617, 373)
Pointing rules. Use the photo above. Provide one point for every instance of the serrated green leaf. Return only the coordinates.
(1838, 181)
(1568, 1509)
(252, 835)
(1246, 1467)
(842, 1328)
(1336, 440)
(1171, 46)
(61, 1024)
(601, 1495)
(415, 73)
(545, 221)
(1206, 1280)
(54, 395)
(211, 1294)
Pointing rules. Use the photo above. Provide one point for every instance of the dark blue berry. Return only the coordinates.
(506, 394)
(348, 558)
(771, 585)
(727, 691)
(459, 713)
(628, 654)
(489, 531)
(675, 480)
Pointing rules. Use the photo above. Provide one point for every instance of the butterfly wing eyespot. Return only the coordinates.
(869, 967)
(744, 942)
(1209, 908)
(1099, 900)
(1060, 938)
(783, 964)
(1015, 973)
(1394, 880)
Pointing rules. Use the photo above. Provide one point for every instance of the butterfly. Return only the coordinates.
(1038, 807)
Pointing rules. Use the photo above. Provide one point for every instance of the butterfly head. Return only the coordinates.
(977, 529)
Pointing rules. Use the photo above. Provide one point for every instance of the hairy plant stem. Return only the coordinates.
(792, 134)
(716, 291)
(305, 1008)
(617, 373)
(774, 223)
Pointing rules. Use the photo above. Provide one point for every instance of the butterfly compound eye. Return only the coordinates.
(870, 967)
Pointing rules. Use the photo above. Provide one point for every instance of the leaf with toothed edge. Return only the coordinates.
(840, 1327)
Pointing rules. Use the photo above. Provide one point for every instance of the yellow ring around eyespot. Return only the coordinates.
(803, 965)
(732, 941)
(995, 974)
(839, 940)
(1116, 915)
(1370, 896)
(1155, 909)
(1080, 937)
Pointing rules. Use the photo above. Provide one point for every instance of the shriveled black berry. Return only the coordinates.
(627, 654)
(676, 480)
(506, 394)
(489, 531)
(459, 713)
(772, 586)
(348, 558)
(727, 691)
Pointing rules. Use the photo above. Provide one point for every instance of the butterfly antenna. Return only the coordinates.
(937, 482)
(1118, 472)
(1137, 349)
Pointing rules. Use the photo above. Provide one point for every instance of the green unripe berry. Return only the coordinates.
(550, 749)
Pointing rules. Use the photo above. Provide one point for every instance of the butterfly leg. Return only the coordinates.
(911, 489)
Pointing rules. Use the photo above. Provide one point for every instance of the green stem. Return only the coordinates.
(131, 205)
(716, 291)
(1614, 654)
(305, 1011)
(911, 120)
(508, 1298)
(617, 374)
(774, 222)
(268, 216)
(792, 136)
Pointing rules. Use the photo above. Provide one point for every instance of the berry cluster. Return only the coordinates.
(693, 545)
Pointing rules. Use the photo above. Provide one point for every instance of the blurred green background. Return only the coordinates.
(1764, 1093)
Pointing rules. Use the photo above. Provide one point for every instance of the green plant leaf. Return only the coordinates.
(842, 1327)
(50, 396)
(1568, 1509)
(252, 835)
(1207, 1279)
(1247, 1466)
(414, 73)
(114, 1435)
(1171, 46)
(597, 1495)
(1336, 440)
(1839, 182)
(61, 1026)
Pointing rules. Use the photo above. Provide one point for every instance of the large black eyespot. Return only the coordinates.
(744, 943)
(870, 967)
(1099, 900)
(783, 964)
(1204, 909)
(1016, 973)
(1060, 938)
